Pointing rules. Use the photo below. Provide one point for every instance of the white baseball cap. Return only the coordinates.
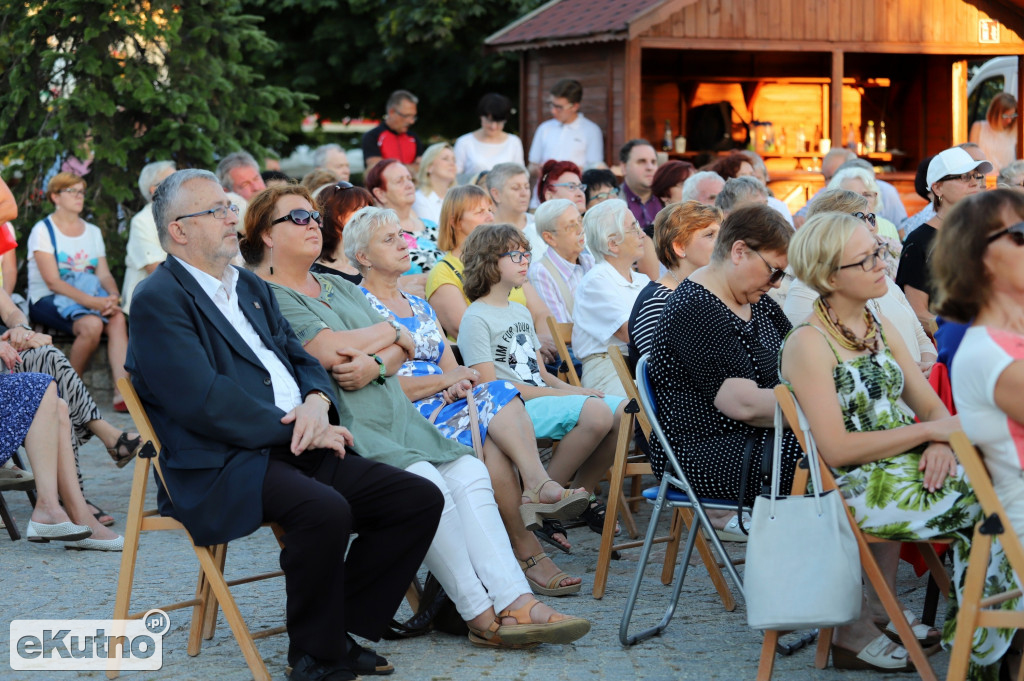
(954, 161)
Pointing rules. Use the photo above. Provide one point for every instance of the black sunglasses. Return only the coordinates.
(1016, 233)
(343, 185)
(776, 273)
(870, 217)
(300, 217)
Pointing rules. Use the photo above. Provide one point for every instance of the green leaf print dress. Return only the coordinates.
(889, 500)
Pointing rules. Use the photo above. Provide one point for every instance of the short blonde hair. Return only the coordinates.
(837, 201)
(429, 156)
(817, 247)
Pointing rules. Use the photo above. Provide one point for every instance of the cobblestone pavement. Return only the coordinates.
(702, 642)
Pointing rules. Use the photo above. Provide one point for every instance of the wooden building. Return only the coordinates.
(831, 65)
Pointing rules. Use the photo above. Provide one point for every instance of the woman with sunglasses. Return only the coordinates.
(892, 305)
(70, 287)
(337, 203)
(470, 554)
(849, 369)
(862, 181)
(997, 133)
(952, 175)
(714, 361)
(978, 265)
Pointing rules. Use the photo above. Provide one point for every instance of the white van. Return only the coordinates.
(995, 76)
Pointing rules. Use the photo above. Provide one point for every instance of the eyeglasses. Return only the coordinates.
(1010, 115)
(404, 116)
(870, 217)
(219, 213)
(517, 256)
(776, 273)
(868, 263)
(601, 196)
(299, 216)
(73, 192)
(635, 228)
(572, 186)
(1016, 233)
(976, 178)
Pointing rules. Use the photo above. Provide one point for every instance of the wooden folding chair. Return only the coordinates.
(5, 513)
(798, 422)
(623, 468)
(212, 589)
(561, 332)
(976, 611)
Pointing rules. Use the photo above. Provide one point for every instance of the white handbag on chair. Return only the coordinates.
(803, 564)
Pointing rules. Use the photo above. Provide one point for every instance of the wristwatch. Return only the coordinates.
(383, 370)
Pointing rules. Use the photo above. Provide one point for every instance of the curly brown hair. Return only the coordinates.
(481, 253)
(258, 217)
(962, 282)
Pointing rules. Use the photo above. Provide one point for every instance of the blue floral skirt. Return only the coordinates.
(20, 395)
(453, 419)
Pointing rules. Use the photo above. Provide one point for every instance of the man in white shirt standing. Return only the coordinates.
(568, 135)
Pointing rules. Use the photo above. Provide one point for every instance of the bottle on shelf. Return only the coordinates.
(801, 140)
(817, 139)
(883, 143)
(781, 142)
(851, 139)
(869, 138)
(668, 139)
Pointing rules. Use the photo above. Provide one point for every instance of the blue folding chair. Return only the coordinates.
(668, 495)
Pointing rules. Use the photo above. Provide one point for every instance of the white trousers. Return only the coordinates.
(471, 554)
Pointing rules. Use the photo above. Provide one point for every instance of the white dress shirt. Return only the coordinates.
(604, 301)
(224, 294)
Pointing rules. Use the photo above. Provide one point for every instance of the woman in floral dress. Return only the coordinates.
(848, 368)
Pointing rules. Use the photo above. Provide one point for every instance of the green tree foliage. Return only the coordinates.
(352, 53)
(131, 81)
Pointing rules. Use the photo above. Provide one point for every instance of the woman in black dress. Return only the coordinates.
(714, 359)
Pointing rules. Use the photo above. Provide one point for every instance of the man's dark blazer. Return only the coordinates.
(210, 399)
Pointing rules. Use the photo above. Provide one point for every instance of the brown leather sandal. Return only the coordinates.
(558, 629)
(553, 587)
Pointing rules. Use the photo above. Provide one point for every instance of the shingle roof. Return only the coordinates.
(573, 21)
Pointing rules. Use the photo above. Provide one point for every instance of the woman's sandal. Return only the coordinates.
(547, 532)
(593, 516)
(874, 657)
(490, 638)
(929, 638)
(569, 506)
(558, 629)
(100, 514)
(125, 449)
(552, 588)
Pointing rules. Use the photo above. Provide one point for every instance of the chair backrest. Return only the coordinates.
(798, 423)
(622, 369)
(974, 466)
(143, 424)
(561, 332)
(647, 403)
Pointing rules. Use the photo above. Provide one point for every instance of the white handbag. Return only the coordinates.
(803, 564)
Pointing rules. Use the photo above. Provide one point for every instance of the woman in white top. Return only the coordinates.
(605, 297)
(490, 145)
(75, 249)
(433, 180)
(997, 134)
(893, 305)
(143, 253)
(978, 266)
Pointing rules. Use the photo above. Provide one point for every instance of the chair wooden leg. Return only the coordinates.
(967, 617)
(616, 503)
(5, 515)
(212, 568)
(636, 485)
(195, 632)
(935, 566)
(210, 604)
(824, 647)
(675, 532)
(129, 553)
(767, 661)
(710, 561)
(627, 516)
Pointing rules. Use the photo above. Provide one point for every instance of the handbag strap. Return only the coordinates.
(474, 422)
(811, 455)
(53, 237)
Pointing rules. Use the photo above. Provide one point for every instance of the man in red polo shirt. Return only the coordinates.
(392, 139)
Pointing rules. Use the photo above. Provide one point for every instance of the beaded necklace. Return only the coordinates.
(842, 333)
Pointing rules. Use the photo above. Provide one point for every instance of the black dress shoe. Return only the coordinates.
(365, 661)
(308, 669)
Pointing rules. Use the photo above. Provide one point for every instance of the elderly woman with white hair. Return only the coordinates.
(863, 182)
(607, 292)
(1012, 176)
(702, 187)
(143, 253)
(508, 185)
(558, 272)
(433, 180)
